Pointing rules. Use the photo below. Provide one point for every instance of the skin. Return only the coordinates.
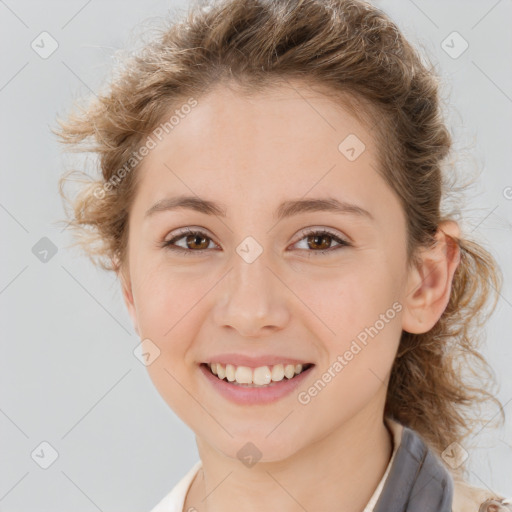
(250, 154)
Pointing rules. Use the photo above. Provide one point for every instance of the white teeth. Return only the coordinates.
(277, 372)
(230, 372)
(260, 376)
(289, 371)
(221, 371)
(243, 375)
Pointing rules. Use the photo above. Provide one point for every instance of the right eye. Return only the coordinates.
(192, 238)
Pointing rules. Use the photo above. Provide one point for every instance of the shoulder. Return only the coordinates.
(466, 497)
(469, 498)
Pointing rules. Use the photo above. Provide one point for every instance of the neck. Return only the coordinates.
(338, 472)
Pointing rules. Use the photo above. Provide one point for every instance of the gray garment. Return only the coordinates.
(417, 480)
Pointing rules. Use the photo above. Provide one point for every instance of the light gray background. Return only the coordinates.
(68, 373)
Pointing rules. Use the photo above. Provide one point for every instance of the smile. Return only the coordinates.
(226, 381)
(260, 376)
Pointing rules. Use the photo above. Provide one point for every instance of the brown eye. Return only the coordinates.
(197, 242)
(319, 241)
(194, 242)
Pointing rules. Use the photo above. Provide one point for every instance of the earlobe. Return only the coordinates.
(430, 282)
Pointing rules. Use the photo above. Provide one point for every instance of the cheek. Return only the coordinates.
(359, 319)
(361, 351)
(167, 309)
(166, 300)
(173, 306)
(347, 299)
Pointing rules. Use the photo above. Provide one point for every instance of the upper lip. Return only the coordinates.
(254, 362)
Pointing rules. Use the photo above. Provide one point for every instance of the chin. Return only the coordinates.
(258, 447)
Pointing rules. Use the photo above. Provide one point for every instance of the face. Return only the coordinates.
(263, 279)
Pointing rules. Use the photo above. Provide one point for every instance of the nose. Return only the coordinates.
(252, 298)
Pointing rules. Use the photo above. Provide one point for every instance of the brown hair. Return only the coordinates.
(354, 52)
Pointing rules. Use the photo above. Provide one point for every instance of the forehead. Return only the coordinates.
(290, 121)
(281, 142)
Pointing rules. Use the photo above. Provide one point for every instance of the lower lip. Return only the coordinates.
(258, 395)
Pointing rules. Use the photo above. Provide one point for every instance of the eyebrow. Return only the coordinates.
(285, 209)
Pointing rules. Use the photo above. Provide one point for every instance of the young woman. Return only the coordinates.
(270, 198)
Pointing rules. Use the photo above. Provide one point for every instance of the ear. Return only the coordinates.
(126, 287)
(429, 284)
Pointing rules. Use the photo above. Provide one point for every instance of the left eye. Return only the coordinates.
(318, 238)
(198, 242)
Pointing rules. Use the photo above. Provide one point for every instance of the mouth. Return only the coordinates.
(261, 377)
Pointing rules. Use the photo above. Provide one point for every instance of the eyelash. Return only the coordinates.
(168, 244)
